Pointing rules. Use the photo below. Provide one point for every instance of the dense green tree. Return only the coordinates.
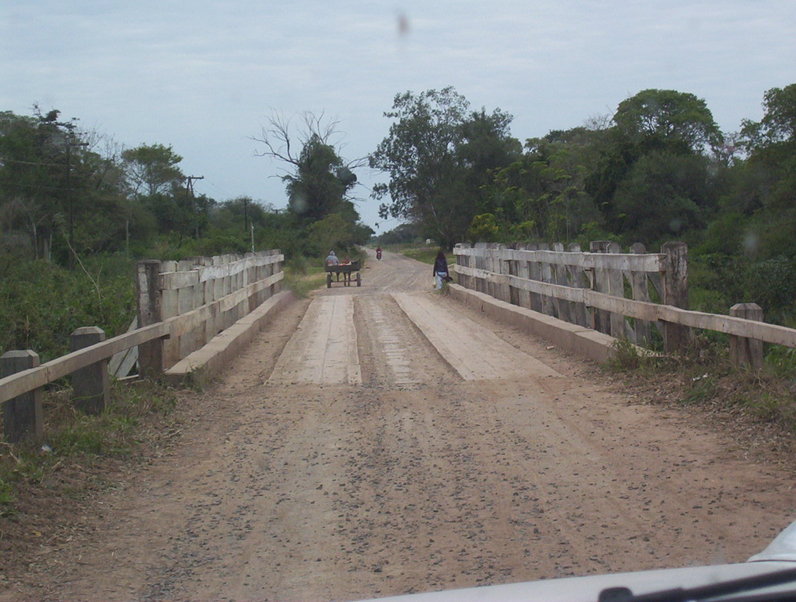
(655, 123)
(768, 178)
(152, 169)
(438, 155)
(320, 183)
(318, 180)
(667, 120)
(54, 188)
(662, 196)
(542, 195)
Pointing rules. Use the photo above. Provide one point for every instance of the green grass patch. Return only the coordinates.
(302, 282)
(6, 498)
(42, 303)
(424, 254)
(704, 376)
(75, 438)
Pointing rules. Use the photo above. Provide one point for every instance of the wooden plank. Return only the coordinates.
(23, 415)
(121, 363)
(650, 262)
(150, 355)
(770, 333)
(578, 279)
(602, 319)
(33, 378)
(178, 280)
(675, 292)
(559, 276)
(215, 272)
(746, 353)
(616, 288)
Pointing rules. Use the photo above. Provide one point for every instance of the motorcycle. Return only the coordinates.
(378, 254)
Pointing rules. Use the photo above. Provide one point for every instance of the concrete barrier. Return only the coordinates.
(204, 364)
(576, 339)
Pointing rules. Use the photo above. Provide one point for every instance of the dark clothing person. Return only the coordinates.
(440, 269)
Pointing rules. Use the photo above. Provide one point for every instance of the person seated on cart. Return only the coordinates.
(346, 273)
(332, 260)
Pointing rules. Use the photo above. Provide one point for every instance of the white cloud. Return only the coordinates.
(204, 76)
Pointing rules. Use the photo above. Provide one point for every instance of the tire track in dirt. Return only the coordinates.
(392, 350)
(324, 348)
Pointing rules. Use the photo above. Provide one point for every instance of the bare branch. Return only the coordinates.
(280, 138)
(276, 138)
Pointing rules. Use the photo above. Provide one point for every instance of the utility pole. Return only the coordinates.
(70, 143)
(189, 187)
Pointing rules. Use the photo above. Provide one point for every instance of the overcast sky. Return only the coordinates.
(204, 76)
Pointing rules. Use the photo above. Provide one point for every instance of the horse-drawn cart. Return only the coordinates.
(344, 269)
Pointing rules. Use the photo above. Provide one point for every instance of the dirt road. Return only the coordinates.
(382, 440)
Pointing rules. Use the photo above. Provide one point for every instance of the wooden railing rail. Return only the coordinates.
(33, 378)
(769, 333)
(199, 303)
(627, 295)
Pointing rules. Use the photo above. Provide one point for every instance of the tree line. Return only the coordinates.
(76, 211)
(658, 169)
(67, 193)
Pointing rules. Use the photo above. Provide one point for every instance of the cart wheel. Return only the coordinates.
(359, 280)
(329, 280)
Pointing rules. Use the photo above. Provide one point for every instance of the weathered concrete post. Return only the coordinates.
(150, 355)
(638, 285)
(90, 385)
(675, 292)
(22, 415)
(579, 279)
(745, 352)
(600, 318)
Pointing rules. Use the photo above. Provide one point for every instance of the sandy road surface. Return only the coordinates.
(382, 440)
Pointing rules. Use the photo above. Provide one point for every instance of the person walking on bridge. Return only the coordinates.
(440, 268)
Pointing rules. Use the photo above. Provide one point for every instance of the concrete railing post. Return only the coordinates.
(600, 318)
(745, 352)
(22, 415)
(90, 385)
(150, 355)
(675, 292)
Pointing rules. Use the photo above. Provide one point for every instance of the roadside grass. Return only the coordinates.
(136, 412)
(302, 283)
(705, 377)
(423, 254)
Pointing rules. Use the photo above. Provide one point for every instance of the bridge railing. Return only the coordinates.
(182, 306)
(224, 288)
(635, 296)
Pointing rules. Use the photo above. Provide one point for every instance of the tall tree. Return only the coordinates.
(437, 155)
(542, 194)
(317, 179)
(667, 119)
(51, 183)
(769, 175)
(678, 129)
(319, 185)
(152, 169)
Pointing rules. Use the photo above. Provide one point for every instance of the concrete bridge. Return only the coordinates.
(388, 439)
